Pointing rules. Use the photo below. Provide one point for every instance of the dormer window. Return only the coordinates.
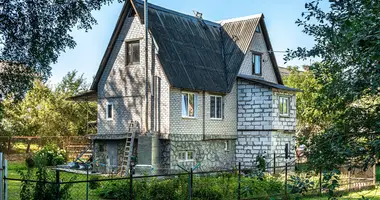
(256, 64)
(132, 52)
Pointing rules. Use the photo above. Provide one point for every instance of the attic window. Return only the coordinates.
(132, 52)
(258, 29)
(256, 63)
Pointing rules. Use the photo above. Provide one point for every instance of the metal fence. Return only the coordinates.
(226, 184)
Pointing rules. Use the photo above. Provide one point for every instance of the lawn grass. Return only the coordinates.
(373, 194)
(77, 191)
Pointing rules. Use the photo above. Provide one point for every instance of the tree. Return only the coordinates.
(310, 118)
(34, 33)
(347, 41)
(46, 112)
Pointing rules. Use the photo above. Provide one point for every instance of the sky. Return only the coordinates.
(280, 17)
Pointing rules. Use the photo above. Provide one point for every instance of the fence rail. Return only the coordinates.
(191, 182)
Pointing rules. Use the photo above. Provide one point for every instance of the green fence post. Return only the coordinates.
(239, 178)
(57, 182)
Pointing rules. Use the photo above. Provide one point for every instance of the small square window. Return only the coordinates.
(109, 111)
(216, 107)
(284, 105)
(132, 52)
(256, 64)
(186, 156)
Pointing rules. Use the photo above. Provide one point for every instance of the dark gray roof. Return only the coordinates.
(195, 54)
(191, 55)
(267, 83)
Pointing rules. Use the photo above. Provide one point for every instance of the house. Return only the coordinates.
(209, 93)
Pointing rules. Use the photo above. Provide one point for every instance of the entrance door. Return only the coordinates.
(112, 156)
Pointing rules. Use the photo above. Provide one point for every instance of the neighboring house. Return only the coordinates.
(211, 94)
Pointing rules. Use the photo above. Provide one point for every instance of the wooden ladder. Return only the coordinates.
(128, 152)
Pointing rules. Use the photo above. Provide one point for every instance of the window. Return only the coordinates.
(189, 105)
(284, 106)
(186, 156)
(227, 145)
(216, 108)
(109, 111)
(258, 29)
(133, 52)
(256, 64)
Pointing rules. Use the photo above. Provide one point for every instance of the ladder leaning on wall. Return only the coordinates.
(127, 155)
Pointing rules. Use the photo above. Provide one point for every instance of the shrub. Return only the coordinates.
(94, 183)
(41, 190)
(52, 155)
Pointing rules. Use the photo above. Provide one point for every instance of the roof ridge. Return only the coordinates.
(237, 19)
(211, 23)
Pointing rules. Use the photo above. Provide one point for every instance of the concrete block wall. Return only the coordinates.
(258, 44)
(250, 144)
(287, 123)
(254, 106)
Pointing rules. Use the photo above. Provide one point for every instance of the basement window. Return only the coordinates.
(109, 111)
(284, 105)
(186, 156)
(256, 63)
(189, 104)
(216, 107)
(132, 52)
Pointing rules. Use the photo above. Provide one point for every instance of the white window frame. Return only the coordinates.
(112, 112)
(216, 107)
(188, 102)
(186, 156)
(281, 100)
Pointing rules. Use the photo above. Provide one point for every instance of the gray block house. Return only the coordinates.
(200, 92)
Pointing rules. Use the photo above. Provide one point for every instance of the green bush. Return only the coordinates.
(94, 183)
(212, 187)
(52, 155)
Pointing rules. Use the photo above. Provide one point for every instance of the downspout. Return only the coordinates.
(204, 114)
(152, 91)
(146, 66)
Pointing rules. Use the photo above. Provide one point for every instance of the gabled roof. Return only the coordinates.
(195, 54)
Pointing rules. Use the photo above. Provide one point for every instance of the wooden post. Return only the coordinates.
(274, 163)
(9, 145)
(28, 147)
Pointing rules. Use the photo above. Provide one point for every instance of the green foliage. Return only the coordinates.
(300, 185)
(216, 187)
(51, 155)
(43, 188)
(34, 33)
(346, 40)
(47, 112)
(330, 182)
(254, 187)
(310, 116)
(94, 183)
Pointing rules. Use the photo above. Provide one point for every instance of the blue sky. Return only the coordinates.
(280, 16)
